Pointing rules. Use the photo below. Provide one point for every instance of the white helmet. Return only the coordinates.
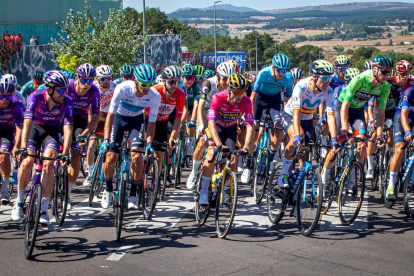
(225, 69)
(11, 76)
(104, 71)
(158, 79)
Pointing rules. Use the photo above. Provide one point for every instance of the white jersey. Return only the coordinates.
(126, 103)
(307, 102)
(208, 91)
(20, 96)
(106, 97)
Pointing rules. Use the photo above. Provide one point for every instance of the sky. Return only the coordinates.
(169, 6)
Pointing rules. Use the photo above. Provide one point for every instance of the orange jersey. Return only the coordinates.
(177, 101)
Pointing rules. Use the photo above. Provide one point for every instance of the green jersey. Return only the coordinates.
(359, 91)
(27, 89)
(193, 93)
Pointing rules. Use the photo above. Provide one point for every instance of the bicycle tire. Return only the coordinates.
(60, 195)
(276, 199)
(344, 193)
(223, 226)
(201, 212)
(177, 164)
(32, 220)
(312, 197)
(330, 191)
(163, 179)
(82, 163)
(150, 190)
(261, 174)
(95, 178)
(408, 199)
(120, 205)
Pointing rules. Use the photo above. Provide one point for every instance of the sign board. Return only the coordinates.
(239, 57)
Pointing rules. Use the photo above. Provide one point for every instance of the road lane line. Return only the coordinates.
(119, 253)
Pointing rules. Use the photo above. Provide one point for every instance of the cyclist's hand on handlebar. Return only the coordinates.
(296, 140)
(105, 145)
(172, 143)
(335, 145)
(344, 134)
(372, 125)
(243, 152)
(408, 136)
(149, 150)
(64, 160)
(22, 152)
(191, 124)
(380, 142)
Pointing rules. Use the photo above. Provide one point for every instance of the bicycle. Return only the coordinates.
(179, 156)
(14, 177)
(306, 198)
(60, 193)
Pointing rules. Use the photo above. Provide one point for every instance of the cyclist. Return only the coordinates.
(200, 73)
(297, 74)
(403, 77)
(33, 85)
(297, 117)
(85, 97)
(106, 88)
(367, 65)
(209, 88)
(47, 112)
(341, 65)
(126, 72)
(16, 93)
(350, 105)
(69, 74)
(11, 122)
(209, 74)
(267, 95)
(225, 110)
(192, 90)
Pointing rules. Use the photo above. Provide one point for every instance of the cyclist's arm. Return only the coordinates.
(205, 90)
(18, 122)
(194, 113)
(213, 132)
(253, 97)
(344, 114)
(370, 110)
(404, 119)
(296, 106)
(27, 127)
(380, 121)
(150, 131)
(185, 113)
(322, 109)
(18, 139)
(296, 121)
(67, 142)
(108, 124)
(91, 126)
(385, 93)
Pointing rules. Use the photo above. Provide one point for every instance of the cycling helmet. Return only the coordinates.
(188, 70)
(86, 70)
(404, 66)
(383, 62)
(200, 70)
(265, 66)
(225, 69)
(145, 73)
(69, 74)
(56, 78)
(281, 61)
(7, 83)
(322, 67)
(171, 73)
(209, 74)
(104, 71)
(11, 76)
(237, 82)
(297, 73)
(235, 64)
(351, 73)
(367, 65)
(158, 79)
(342, 60)
(126, 70)
(37, 75)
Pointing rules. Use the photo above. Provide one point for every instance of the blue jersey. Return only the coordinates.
(337, 91)
(407, 102)
(267, 85)
(335, 82)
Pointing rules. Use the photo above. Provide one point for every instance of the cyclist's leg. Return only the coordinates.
(51, 148)
(190, 130)
(6, 145)
(371, 148)
(359, 129)
(137, 142)
(208, 169)
(161, 129)
(277, 135)
(261, 103)
(389, 122)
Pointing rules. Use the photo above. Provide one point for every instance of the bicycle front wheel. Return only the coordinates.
(176, 166)
(277, 198)
(226, 204)
(95, 178)
(351, 193)
(61, 195)
(120, 204)
(163, 178)
(261, 175)
(201, 211)
(32, 220)
(83, 163)
(149, 188)
(309, 202)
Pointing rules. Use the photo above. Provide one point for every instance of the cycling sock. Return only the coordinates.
(90, 169)
(272, 154)
(393, 178)
(286, 166)
(70, 187)
(109, 187)
(205, 181)
(370, 159)
(325, 174)
(196, 165)
(248, 164)
(45, 204)
(134, 187)
(5, 185)
(324, 140)
(20, 195)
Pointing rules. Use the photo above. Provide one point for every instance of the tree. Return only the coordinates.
(391, 43)
(10, 46)
(389, 35)
(68, 63)
(113, 42)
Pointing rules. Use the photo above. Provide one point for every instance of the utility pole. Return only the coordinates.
(256, 54)
(215, 38)
(145, 45)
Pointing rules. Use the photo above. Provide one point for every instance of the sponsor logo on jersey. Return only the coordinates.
(55, 112)
(48, 118)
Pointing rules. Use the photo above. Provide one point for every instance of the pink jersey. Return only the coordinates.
(225, 114)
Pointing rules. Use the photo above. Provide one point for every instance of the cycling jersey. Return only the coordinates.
(360, 90)
(409, 83)
(337, 91)
(192, 94)
(208, 90)
(407, 102)
(38, 111)
(225, 114)
(21, 98)
(307, 102)
(12, 114)
(126, 103)
(106, 97)
(392, 100)
(27, 89)
(176, 101)
(81, 103)
(267, 85)
(335, 82)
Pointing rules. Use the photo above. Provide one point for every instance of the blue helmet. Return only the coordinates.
(281, 61)
(145, 73)
(265, 66)
(69, 74)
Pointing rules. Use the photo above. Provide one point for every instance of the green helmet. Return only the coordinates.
(383, 62)
(176, 66)
(188, 70)
(38, 75)
(209, 74)
(342, 60)
(322, 67)
(351, 73)
(200, 70)
(126, 70)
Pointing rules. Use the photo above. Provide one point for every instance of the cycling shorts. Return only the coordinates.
(48, 137)
(129, 124)
(228, 137)
(389, 116)
(7, 139)
(306, 125)
(356, 118)
(399, 130)
(267, 102)
(101, 124)
(79, 125)
(161, 134)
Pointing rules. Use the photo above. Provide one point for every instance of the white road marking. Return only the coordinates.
(119, 253)
(249, 215)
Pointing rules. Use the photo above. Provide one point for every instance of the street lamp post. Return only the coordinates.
(215, 38)
(310, 65)
(256, 53)
(143, 33)
(275, 48)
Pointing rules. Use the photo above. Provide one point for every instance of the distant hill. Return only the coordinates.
(350, 7)
(225, 7)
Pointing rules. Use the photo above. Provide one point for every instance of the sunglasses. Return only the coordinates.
(86, 81)
(145, 85)
(281, 71)
(105, 79)
(60, 91)
(325, 78)
(238, 93)
(128, 77)
(385, 72)
(342, 69)
(173, 82)
(190, 78)
(403, 73)
(38, 83)
(5, 97)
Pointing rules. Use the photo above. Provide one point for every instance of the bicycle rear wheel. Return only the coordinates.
(309, 201)
(201, 211)
(261, 175)
(95, 178)
(149, 188)
(351, 193)
(60, 195)
(226, 204)
(276, 199)
(31, 222)
(329, 192)
(409, 194)
(177, 163)
(163, 178)
(120, 204)
(83, 162)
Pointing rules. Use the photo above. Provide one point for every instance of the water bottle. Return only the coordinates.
(14, 175)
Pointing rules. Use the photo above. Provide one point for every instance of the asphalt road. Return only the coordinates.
(381, 242)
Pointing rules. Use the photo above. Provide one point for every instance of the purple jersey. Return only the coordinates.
(12, 114)
(38, 111)
(82, 103)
